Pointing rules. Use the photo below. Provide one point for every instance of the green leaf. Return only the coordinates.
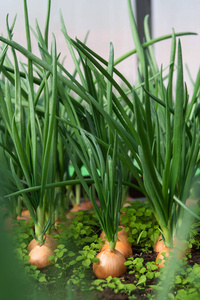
(142, 280)
(86, 262)
(98, 281)
(71, 253)
(129, 286)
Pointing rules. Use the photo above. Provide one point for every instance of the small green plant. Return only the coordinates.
(141, 234)
(142, 272)
(116, 284)
(185, 285)
(20, 238)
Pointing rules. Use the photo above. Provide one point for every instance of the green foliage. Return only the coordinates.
(143, 234)
(49, 117)
(184, 285)
(116, 284)
(76, 253)
(141, 271)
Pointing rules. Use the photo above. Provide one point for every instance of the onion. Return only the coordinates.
(166, 251)
(123, 248)
(49, 242)
(159, 245)
(25, 213)
(127, 203)
(39, 256)
(181, 245)
(86, 205)
(23, 218)
(111, 263)
(124, 239)
(75, 208)
(120, 232)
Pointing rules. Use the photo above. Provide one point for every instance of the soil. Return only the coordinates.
(108, 294)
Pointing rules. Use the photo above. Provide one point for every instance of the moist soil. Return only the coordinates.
(108, 294)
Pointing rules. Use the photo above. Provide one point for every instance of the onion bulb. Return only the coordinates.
(123, 248)
(75, 208)
(166, 251)
(25, 213)
(182, 245)
(39, 256)
(111, 263)
(159, 245)
(49, 242)
(86, 205)
(124, 239)
(120, 232)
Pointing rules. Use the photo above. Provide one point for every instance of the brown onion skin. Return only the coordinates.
(181, 245)
(75, 208)
(159, 245)
(25, 213)
(124, 239)
(123, 248)
(166, 251)
(49, 242)
(120, 232)
(39, 256)
(111, 263)
(86, 205)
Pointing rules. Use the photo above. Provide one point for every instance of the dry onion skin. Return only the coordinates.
(25, 213)
(161, 255)
(165, 253)
(120, 232)
(75, 208)
(123, 248)
(159, 245)
(86, 205)
(182, 245)
(39, 256)
(111, 263)
(124, 239)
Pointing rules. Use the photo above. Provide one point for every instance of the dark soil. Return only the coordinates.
(108, 294)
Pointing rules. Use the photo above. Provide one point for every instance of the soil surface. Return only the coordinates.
(108, 294)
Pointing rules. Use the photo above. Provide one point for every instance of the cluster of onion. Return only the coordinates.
(111, 261)
(85, 205)
(9, 221)
(164, 251)
(39, 254)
